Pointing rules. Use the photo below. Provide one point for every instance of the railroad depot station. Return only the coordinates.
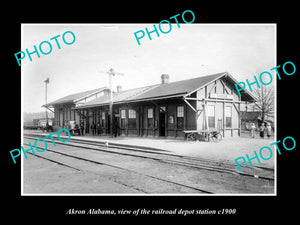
(163, 110)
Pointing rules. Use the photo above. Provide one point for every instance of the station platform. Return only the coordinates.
(227, 150)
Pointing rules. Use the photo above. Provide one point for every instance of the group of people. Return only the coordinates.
(79, 128)
(96, 129)
(262, 130)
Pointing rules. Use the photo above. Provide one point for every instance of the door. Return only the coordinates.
(162, 121)
(123, 122)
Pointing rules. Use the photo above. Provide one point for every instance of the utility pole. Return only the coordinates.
(111, 73)
(46, 82)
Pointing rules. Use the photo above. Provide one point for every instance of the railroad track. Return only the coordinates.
(167, 157)
(78, 160)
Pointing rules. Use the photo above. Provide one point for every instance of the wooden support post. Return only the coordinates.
(185, 117)
(205, 115)
(224, 119)
(126, 119)
(239, 117)
(58, 111)
(147, 122)
(138, 120)
(153, 123)
(141, 120)
(166, 122)
(240, 123)
(175, 122)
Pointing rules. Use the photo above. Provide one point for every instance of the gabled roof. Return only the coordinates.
(73, 97)
(179, 87)
(118, 97)
(167, 90)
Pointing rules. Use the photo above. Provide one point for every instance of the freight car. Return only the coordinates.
(39, 124)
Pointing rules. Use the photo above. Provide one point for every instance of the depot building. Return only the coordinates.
(162, 110)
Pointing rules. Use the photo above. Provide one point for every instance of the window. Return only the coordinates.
(123, 118)
(180, 116)
(150, 117)
(228, 116)
(131, 118)
(131, 114)
(123, 114)
(180, 111)
(150, 113)
(211, 116)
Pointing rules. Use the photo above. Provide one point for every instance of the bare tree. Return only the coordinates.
(265, 101)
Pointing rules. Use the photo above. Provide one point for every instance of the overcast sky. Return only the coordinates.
(190, 51)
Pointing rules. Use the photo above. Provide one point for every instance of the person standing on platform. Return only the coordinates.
(262, 130)
(93, 127)
(98, 127)
(252, 129)
(81, 128)
(115, 127)
(269, 130)
(76, 128)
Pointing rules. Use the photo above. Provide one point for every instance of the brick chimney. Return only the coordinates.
(119, 88)
(165, 78)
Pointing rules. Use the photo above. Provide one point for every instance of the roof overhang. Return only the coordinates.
(58, 103)
(130, 101)
(86, 96)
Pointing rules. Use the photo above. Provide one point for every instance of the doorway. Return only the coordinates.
(162, 121)
(108, 125)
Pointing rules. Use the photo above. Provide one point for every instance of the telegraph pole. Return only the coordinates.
(111, 73)
(46, 82)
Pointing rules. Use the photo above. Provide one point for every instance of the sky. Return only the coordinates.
(193, 50)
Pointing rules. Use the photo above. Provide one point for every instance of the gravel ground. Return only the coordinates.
(139, 176)
(44, 177)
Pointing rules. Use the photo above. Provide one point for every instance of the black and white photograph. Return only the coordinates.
(131, 109)
(116, 112)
